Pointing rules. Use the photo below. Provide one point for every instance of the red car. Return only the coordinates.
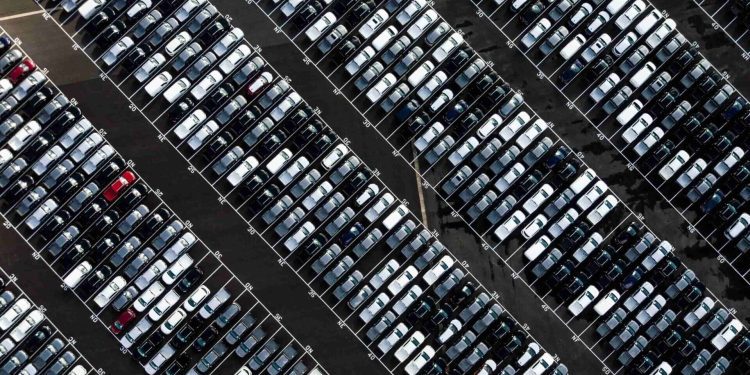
(21, 71)
(122, 321)
(113, 191)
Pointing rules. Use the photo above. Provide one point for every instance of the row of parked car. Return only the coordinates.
(117, 245)
(282, 167)
(29, 343)
(504, 158)
(677, 116)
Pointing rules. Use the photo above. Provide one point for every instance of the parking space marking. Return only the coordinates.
(247, 287)
(631, 165)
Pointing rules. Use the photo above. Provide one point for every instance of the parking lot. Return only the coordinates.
(458, 231)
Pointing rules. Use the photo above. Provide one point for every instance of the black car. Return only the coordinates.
(179, 366)
(205, 339)
(251, 185)
(189, 280)
(305, 135)
(307, 14)
(37, 339)
(148, 348)
(180, 110)
(111, 33)
(100, 20)
(137, 57)
(266, 197)
(220, 96)
(19, 189)
(214, 32)
(219, 144)
(93, 282)
(36, 101)
(54, 225)
(346, 49)
(154, 221)
(71, 257)
(105, 247)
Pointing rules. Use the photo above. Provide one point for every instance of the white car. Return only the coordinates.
(667, 171)
(279, 161)
(409, 346)
(289, 102)
(234, 59)
(188, 124)
(177, 89)
(534, 226)
(378, 90)
(490, 126)
(637, 127)
(607, 302)
(384, 38)
(518, 122)
(650, 139)
(24, 135)
(730, 331)
(359, 60)
(293, 242)
(196, 298)
(177, 42)
(158, 83)
(416, 364)
(738, 226)
(404, 279)
(446, 48)
(106, 295)
(503, 231)
(91, 7)
(320, 26)
(378, 279)
(148, 68)
(572, 46)
(206, 84)
(528, 136)
(374, 307)
(584, 300)
(629, 112)
(374, 23)
(200, 136)
(601, 90)
(114, 53)
(592, 195)
(692, 172)
(536, 200)
(243, 170)
(420, 73)
(428, 136)
(567, 218)
(409, 11)
(630, 14)
(421, 25)
(399, 332)
(438, 269)
(541, 365)
(176, 269)
(165, 304)
(335, 155)
(148, 296)
(173, 321)
(535, 250)
(10, 316)
(729, 161)
(536, 33)
(604, 208)
(26, 325)
(75, 276)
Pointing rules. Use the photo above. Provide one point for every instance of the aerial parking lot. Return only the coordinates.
(324, 187)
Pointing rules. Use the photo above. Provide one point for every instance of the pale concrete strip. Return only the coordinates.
(21, 15)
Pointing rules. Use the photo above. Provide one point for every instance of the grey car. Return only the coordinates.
(61, 364)
(230, 109)
(6, 298)
(366, 77)
(261, 357)
(341, 220)
(226, 162)
(146, 23)
(272, 94)
(30, 200)
(333, 37)
(124, 251)
(10, 125)
(138, 262)
(199, 66)
(167, 234)
(612, 322)
(287, 356)
(59, 171)
(305, 183)
(124, 298)
(198, 22)
(227, 315)
(13, 168)
(331, 204)
(63, 240)
(212, 358)
(248, 70)
(367, 242)
(239, 329)
(50, 110)
(131, 220)
(162, 32)
(190, 52)
(10, 58)
(341, 267)
(347, 285)
(630, 329)
(326, 258)
(49, 351)
(248, 345)
(15, 362)
(272, 213)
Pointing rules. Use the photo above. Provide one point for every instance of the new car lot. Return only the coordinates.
(500, 167)
(280, 166)
(168, 299)
(673, 116)
(30, 343)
